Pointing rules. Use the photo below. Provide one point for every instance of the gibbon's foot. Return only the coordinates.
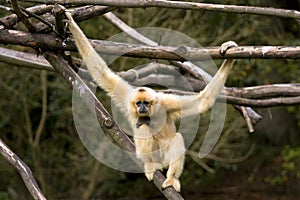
(171, 181)
(150, 168)
(227, 45)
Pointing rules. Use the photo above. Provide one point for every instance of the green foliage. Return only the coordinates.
(5, 196)
(289, 169)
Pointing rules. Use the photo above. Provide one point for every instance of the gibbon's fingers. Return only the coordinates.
(114, 85)
(227, 45)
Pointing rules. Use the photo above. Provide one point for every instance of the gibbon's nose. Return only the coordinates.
(143, 110)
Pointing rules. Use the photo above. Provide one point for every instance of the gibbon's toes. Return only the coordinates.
(171, 182)
(227, 45)
(150, 169)
(149, 175)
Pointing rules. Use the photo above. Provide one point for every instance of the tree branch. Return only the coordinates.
(22, 16)
(263, 91)
(263, 103)
(23, 170)
(23, 59)
(182, 53)
(11, 20)
(180, 5)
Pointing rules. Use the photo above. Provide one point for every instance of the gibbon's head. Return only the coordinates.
(143, 100)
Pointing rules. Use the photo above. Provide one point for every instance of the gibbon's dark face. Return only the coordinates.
(142, 107)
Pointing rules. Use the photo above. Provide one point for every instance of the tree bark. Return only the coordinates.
(180, 5)
(182, 53)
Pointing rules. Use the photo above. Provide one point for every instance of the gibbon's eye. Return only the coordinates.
(146, 103)
(138, 103)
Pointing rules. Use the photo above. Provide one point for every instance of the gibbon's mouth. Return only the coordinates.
(143, 120)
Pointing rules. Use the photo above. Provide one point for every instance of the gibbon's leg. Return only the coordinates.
(175, 157)
(114, 85)
(147, 151)
(180, 106)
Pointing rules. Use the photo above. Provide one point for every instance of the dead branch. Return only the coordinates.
(11, 20)
(26, 21)
(182, 53)
(24, 59)
(79, 14)
(263, 91)
(263, 103)
(23, 170)
(180, 5)
(247, 119)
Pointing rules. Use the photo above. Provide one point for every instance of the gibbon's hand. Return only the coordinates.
(227, 45)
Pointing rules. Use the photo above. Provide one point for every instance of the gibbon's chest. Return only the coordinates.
(157, 128)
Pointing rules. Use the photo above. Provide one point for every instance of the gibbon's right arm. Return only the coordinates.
(114, 85)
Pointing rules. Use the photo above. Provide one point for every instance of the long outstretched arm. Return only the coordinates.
(114, 85)
(189, 105)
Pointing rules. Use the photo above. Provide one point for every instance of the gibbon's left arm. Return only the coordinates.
(114, 85)
(180, 106)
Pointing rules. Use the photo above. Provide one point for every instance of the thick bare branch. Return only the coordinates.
(263, 103)
(24, 59)
(182, 53)
(23, 170)
(180, 5)
(264, 91)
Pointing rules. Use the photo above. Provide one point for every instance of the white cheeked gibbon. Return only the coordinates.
(152, 114)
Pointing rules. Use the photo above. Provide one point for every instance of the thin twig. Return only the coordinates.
(23, 170)
(38, 133)
(247, 118)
